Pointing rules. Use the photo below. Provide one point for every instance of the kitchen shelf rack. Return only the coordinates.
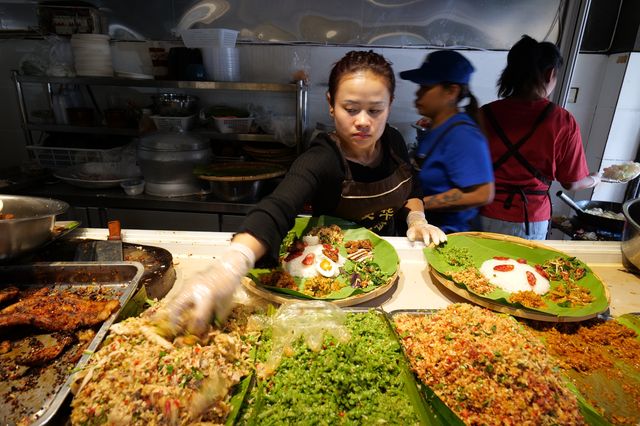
(299, 89)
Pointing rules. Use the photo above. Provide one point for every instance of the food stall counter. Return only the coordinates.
(415, 289)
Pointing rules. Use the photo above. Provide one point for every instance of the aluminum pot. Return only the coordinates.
(31, 225)
(630, 244)
(167, 161)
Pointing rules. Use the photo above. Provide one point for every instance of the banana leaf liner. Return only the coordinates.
(603, 390)
(384, 255)
(484, 246)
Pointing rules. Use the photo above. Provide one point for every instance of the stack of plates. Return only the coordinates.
(271, 153)
(92, 55)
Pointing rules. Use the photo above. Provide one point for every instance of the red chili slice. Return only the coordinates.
(523, 261)
(541, 271)
(500, 258)
(308, 259)
(503, 268)
(531, 279)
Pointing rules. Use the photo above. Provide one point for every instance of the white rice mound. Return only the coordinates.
(296, 268)
(515, 280)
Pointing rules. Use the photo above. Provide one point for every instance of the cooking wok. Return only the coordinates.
(599, 222)
(31, 225)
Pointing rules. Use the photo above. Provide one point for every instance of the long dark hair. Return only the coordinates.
(527, 63)
(472, 107)
(355, 61)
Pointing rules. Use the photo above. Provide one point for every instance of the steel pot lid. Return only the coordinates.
(173, 141)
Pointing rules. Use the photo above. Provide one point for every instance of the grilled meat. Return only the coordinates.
(5, 346)
(56, 311)
(42, 349)
(8, 293)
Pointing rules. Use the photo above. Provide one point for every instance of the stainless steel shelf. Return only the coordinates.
(168, 84)
(299, 89)
(249, 137)
(94, 130)
(98, 130)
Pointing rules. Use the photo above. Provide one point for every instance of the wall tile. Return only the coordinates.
(630, 95)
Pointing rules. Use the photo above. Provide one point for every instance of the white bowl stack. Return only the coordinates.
(92, 55)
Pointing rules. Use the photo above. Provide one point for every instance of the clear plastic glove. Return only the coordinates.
(419, 229)
(596, 179)
(206, 294)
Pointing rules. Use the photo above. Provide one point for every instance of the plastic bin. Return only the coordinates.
(233, 124)
(167, 124)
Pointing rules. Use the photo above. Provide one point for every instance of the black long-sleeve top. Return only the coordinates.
(316, 176)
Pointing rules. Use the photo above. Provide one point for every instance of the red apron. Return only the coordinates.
(374, 204)
(513, 150)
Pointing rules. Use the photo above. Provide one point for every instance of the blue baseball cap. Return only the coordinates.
(439, 67)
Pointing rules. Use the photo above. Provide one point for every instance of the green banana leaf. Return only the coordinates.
(383, 254)
(631, 321)
(238, 399)
(482, 249)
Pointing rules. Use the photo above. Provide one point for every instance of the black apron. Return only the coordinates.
(374, 204)
(513, 150)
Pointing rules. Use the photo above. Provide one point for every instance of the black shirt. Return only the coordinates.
(316, 176)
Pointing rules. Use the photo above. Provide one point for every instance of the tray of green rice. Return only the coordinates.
(353, 372)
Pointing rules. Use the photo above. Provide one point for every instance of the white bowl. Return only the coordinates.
(133, 187)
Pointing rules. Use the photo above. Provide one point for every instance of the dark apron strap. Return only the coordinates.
(420, 158)
(512, 191)
(513, 150)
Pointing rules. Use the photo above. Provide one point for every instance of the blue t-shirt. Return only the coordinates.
(459, 159)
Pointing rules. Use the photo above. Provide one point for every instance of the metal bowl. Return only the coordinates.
(31, 225)
(630, 244)
(174, 104)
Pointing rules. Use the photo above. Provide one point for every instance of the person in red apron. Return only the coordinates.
(360, 172)
(532, 142)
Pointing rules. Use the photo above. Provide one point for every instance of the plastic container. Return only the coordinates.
(172, 124)
(232, 124)
(209, 37)
(133, 187)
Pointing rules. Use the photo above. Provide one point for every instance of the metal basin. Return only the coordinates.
(31, 226)
(630, 244)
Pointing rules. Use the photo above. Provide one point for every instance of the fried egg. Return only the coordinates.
(515, 279)
(312, 263)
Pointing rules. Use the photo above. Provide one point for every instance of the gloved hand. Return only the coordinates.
(419, 229)
(207, 293)
(596, 179)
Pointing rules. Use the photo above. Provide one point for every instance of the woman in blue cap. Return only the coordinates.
(452, 155)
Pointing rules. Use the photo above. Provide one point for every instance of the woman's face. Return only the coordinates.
(436, 99)
(361, 108)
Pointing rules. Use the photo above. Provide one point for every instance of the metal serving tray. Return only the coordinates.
(49, 386)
